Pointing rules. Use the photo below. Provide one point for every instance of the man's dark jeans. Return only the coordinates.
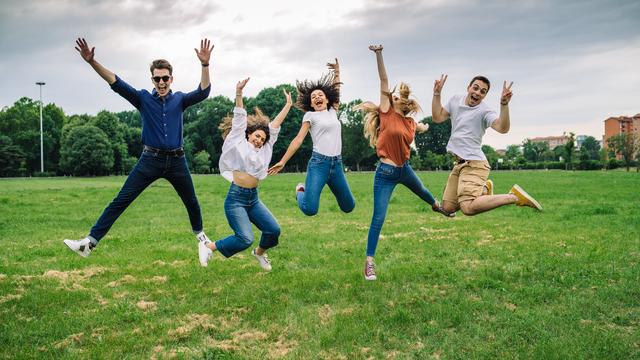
(149, 168)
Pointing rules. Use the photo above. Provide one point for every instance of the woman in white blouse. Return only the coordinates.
(246, 153)
(320, 100)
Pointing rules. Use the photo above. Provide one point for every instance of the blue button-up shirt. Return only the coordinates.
(161, 118)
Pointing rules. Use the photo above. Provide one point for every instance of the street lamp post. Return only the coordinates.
(40, 83)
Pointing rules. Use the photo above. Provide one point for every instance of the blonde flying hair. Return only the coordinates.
(372, 112)
(257, 121)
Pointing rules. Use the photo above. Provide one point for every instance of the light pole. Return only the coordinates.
(40, 83)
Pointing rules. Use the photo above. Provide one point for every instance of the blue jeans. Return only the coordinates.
(386, 179)
(323, 170)
(149, 168)
(242, 208)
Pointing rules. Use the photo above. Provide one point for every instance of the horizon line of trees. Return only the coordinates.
(109, 143)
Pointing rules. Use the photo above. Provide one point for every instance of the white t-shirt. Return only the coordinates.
(238, 154)
(326, 131)
(468, 125)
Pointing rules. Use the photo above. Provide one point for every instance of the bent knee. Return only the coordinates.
(348, 209)
(245, 240)
(309, 212)
(467, 209)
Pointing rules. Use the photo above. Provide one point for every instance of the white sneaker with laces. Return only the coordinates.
(204, 253)
(263, 260)
(81, 247)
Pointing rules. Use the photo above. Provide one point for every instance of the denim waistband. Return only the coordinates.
(404, 164)
(325, 157)
(243, 190)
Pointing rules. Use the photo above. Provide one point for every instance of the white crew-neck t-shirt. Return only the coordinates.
(326, 131)
(468, 125)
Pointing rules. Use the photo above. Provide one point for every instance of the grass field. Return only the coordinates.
(512, 283)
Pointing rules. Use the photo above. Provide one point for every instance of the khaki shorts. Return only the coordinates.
(466, 181)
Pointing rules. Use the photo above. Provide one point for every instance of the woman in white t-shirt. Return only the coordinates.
(246, 153)
(320, 100)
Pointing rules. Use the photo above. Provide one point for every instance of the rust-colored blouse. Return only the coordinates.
(395, 136)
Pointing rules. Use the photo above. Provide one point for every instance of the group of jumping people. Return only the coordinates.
(248, 148)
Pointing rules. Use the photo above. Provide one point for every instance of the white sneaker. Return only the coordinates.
(81, 247)
(263, 260)
(204, 253)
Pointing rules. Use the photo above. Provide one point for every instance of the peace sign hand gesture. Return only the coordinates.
(438, 84)
(204, 54)
(506, 93)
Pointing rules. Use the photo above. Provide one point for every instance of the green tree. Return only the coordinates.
(202, 163)
(201, 127)
(491, 154)
(533, 150)
(355, 147)
(569, 148)
(590, 149)
(21, 123)
(11, 157)
(626, 145)
(86, 150)
(435, 139)
(116, 132)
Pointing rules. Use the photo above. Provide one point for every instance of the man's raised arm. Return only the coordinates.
(89, 56)
(204, 55)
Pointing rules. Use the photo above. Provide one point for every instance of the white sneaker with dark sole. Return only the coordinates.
(265, 264)
(204, 253)
(81, 247)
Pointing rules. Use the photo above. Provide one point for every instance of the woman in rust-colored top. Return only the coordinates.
(390, 130)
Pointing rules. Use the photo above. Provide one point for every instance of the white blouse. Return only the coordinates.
(238, 154)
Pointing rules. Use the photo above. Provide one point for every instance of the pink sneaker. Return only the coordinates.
(369, 270)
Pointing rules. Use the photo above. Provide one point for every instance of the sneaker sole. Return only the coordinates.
(529, 198)
(489, 186)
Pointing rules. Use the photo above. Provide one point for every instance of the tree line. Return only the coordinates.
(109, 143)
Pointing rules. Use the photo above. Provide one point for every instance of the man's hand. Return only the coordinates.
(506, 93)
(375, 48)
(204, 54)
(83, 48)
(438, 84)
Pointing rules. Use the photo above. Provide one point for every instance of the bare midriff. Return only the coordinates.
(388, 161)
(245, 180)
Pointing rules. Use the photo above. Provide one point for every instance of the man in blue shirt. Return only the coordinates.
(163, 157)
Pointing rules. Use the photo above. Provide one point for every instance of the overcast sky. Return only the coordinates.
(573, 62)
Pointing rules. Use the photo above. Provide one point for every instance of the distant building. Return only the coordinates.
(620, 124)
(552, 141)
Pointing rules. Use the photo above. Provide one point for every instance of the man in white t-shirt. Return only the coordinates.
(467, 187)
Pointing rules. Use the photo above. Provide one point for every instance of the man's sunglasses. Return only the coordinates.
(163, 78)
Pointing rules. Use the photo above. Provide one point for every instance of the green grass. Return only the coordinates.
(511, 283)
